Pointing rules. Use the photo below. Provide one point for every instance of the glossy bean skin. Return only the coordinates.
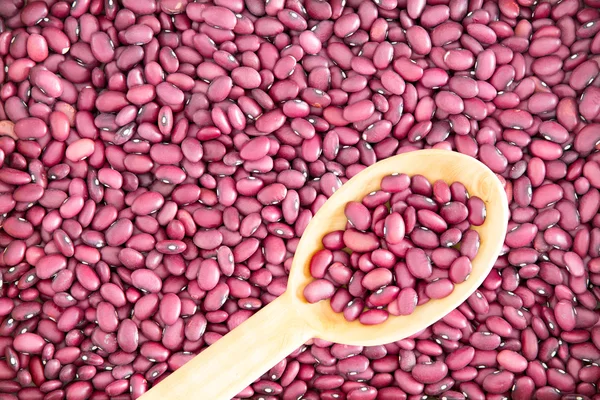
(164, 156)
(367, 273)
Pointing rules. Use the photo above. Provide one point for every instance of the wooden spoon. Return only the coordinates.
(228, 366)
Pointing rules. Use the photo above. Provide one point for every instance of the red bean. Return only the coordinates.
(460, 269)
(373, 317)
(429, 372)
(29, 343)
(146, 280)
(318, 290)
(498, 382)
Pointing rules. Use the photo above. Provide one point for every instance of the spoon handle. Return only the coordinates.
(236, 360)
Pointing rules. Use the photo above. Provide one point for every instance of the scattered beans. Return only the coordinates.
(159, 149)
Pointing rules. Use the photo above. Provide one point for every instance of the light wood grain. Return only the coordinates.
(236, 360)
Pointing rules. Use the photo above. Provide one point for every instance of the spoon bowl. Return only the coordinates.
(248, 351)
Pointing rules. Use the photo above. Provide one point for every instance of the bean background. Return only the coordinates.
(160, 159)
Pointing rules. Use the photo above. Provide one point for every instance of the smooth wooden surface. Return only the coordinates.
(236, 360)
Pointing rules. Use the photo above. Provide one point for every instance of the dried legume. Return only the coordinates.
(164, 101)
(386, 234)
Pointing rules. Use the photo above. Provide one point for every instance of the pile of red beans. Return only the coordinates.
(160, 160)
(404, 244)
